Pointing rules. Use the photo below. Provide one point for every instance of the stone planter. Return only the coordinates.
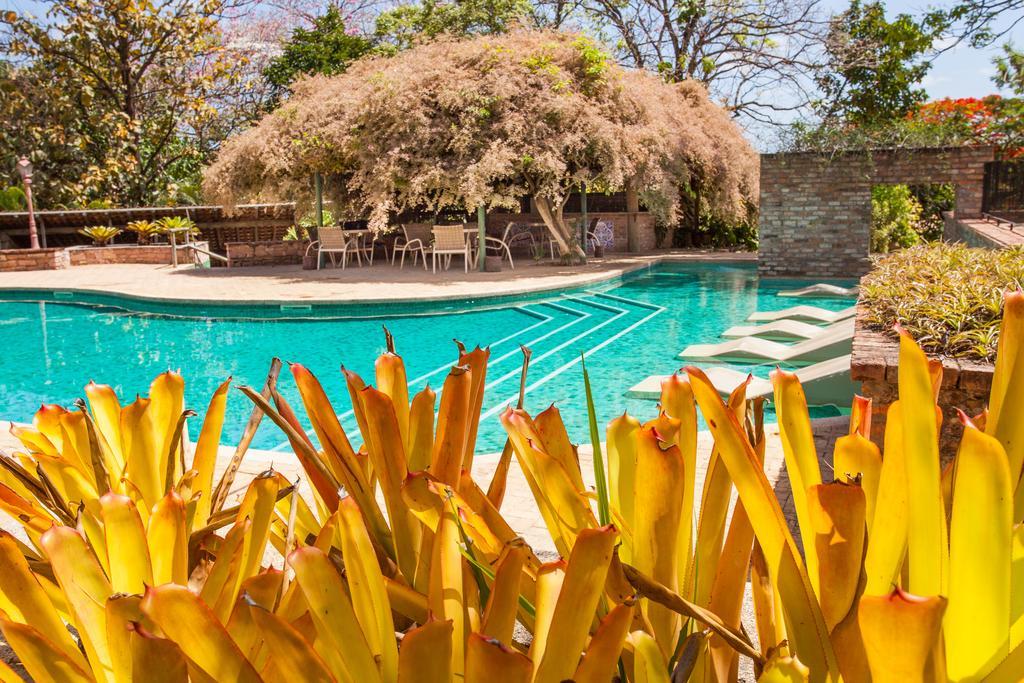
(492, 264)
(598, 251)
(965, 384)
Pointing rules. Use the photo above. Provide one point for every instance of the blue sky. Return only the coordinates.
(960, 72)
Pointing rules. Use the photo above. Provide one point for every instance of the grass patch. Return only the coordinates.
(948, 296)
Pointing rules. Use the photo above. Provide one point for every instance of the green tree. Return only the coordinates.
(1010, 69)
(118, 100)
(326, 48)
(874, 65)
(403, 26)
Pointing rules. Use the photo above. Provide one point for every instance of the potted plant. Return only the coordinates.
(101, 235)
(145, 230)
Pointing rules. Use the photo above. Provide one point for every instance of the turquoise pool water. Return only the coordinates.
(629, 328)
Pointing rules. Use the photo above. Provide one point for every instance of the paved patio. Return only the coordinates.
(377, 283)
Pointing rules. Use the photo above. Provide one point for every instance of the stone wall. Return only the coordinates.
(644, 235)
(269, 253)
(33, 259)
(815, 209)
(156, 254)
(965, 385)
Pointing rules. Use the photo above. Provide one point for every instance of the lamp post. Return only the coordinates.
(25, 171)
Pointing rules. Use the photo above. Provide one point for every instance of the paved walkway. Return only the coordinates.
(380, 282)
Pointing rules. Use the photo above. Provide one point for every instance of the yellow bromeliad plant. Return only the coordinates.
(398, 565)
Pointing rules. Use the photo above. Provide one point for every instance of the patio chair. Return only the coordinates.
(824, 383)
(835, 341)
(601, 233)
(811, 314)
(449, 240)
(414, 240)
(822, 289)
(335, 241)
(779, 330)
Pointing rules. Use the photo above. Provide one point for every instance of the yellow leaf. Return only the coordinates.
(127, 549)
(660, 478)
(186, 620)
(333, 614)
(649, 664)
(1006, 414)
(800, 453)
(577, 602)
(86, 590)
(453, 425)
(927, 541)
(621, 440)
(887, 543)
(426, 654)
(290, 652)
(677, 402)
(783, 669)
(977, 620)
(421, 430)
(391, 381)
(23, 600)
(836, 515)
(43, 660)
(602, 655)
(205, 457)
(488, 661)
(476, 361)
(856, 455)
(500, 615)
(168, 541)
(366, 586)
(805, 624)
(900, 633)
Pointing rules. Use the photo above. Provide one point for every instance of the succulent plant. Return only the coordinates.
(100, 234)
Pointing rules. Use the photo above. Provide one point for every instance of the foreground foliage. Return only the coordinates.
(947, 296)
(397, 564)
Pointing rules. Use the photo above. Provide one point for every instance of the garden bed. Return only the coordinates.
(156, 254)
(949, 298)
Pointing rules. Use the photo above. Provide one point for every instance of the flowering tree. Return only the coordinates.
(991, 120)
(484, 122)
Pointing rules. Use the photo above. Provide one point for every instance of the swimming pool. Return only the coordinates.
(629, 328)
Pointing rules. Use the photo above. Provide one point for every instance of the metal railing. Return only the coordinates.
(1003, 191)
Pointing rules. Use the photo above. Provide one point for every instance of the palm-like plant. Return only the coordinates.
(145, 230)
(100, 234)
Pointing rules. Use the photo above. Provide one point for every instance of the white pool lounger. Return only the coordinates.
(821, 289)
(778, 330)
(824, 383)
(811, 314)
(836, 340)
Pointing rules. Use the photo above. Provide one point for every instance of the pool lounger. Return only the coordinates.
(821, 289)
(779, 330)
(811, 314)
(835, 341)
(824, 383)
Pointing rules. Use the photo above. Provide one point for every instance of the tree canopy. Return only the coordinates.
(485, 122)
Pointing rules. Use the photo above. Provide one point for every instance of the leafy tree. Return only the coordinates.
(1010, 69)
(326, 48)
(482, 123)
(403, 26)
(752, 55)
(120, 96)
(874, 66)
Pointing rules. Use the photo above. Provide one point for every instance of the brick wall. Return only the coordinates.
(269, 253)
(33, 259)
(965, 385)
(156, 254)
(815, 210)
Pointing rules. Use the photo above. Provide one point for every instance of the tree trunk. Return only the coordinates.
(568, 246)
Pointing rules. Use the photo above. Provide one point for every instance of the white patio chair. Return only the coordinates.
(335, 241)
(414, 240)
(449, 240)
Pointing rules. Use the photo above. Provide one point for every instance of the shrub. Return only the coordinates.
(178, 223)
(404, 569)
(895, 213)
(948, 296)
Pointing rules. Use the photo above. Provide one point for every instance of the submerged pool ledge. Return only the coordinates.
(374, 285)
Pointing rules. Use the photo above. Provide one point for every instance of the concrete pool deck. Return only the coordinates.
(380, 282)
